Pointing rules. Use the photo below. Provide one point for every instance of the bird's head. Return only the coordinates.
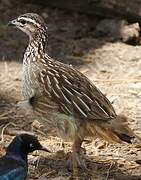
(25, 143)
(30, 23)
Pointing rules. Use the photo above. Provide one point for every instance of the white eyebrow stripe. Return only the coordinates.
(29, 20)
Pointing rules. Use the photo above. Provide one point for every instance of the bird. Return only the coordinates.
(62, 98)
(14, 164)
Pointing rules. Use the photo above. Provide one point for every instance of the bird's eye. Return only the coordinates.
(22, 21)
(31, 145)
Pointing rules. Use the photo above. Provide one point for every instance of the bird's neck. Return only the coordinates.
(37, 46)
(18, 157)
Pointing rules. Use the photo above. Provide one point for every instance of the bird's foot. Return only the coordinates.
(76, 160)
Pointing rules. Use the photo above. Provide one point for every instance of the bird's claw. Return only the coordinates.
(76, 161)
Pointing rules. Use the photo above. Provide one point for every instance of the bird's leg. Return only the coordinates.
(75, 160)
(76, 153)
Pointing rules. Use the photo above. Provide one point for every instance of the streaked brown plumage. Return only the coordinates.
(63, 99)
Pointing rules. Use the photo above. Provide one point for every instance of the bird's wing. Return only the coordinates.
(12, 169)
(73, 92)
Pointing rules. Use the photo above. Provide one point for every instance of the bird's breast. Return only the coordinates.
(30, 84)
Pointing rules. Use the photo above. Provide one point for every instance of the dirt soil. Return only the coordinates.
(114, 67)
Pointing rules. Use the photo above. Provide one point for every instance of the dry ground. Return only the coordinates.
(114, 67)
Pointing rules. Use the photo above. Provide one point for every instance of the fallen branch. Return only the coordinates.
(108, 172)
(3, 129)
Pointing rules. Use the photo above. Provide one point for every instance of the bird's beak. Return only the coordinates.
(12, 23)
(45, 149)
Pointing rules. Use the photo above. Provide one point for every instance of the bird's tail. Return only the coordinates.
(116, 130)
(120, 128)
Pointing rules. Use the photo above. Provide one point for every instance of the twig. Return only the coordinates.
(2, 132)
(108, 172)
(15, 132)
(6, 113)
(4, 118)
(37, 163)
(6, 67)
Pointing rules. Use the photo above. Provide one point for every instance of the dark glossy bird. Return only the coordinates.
(14, 165)
(61, 97)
